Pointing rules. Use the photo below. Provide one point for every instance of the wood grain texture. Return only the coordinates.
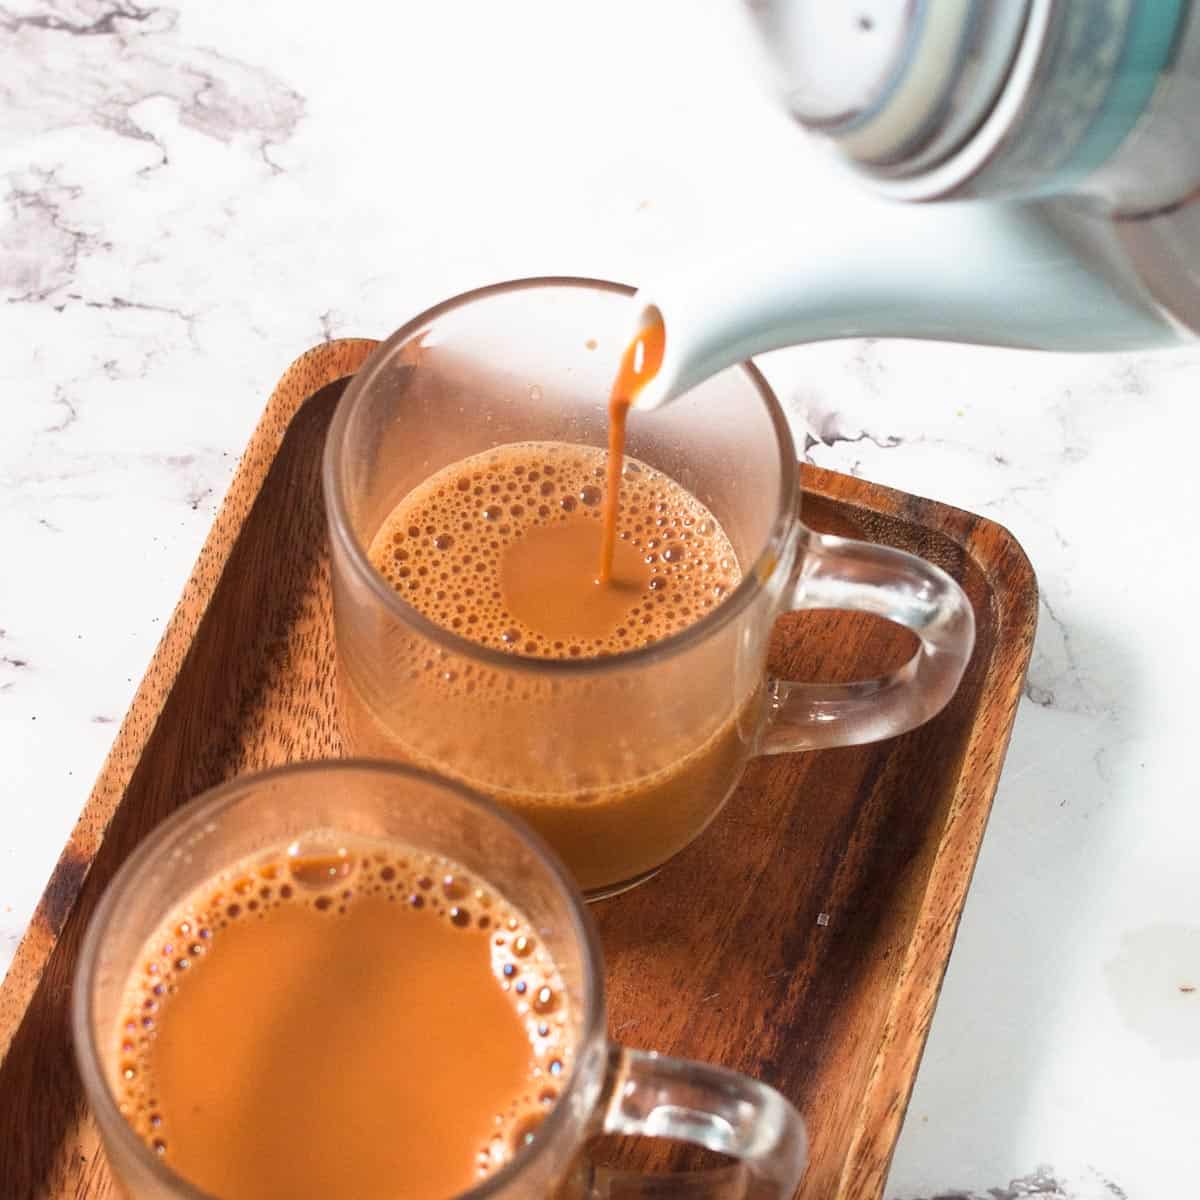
(721, 957)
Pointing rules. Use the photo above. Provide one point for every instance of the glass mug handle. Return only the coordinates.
(651, 1095)
(839, 573)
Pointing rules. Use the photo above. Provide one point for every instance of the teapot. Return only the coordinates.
(1031, 172)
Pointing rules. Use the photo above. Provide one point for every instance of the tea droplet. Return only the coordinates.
(317, 868)
(545, 999)
(453, 888)
(525, 1131)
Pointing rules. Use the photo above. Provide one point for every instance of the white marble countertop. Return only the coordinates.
(194, 194)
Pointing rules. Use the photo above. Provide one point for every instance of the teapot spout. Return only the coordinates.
(1032, 276)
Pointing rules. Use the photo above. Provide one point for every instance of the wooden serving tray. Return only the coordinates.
(802, 939)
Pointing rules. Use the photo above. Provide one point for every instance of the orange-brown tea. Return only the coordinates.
(365, 1021)
(503, 548)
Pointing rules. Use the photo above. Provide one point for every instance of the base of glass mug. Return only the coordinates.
(615, 889)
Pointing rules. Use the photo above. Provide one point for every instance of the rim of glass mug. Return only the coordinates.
(755, 575)
(208, 806)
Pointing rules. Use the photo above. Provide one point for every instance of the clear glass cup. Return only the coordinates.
(611, 1089)
(619, 762)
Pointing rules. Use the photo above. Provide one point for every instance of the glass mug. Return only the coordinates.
(618, 761)
(611, 1089)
